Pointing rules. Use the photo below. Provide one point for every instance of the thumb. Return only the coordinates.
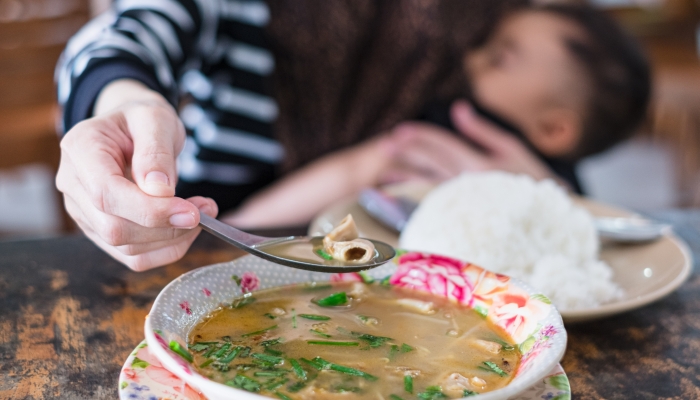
(156, 145)
(476, 128)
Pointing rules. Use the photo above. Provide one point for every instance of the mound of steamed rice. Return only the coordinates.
(517, 226)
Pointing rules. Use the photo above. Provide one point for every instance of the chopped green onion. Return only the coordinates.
(298, 370)
(319, 333)
(268, 358)
(314, 317)
(245, 352)
(222, 350)
(242, 302)
(393, 351)
(468, 393)
(297, 386)
(270, 373)
(177, 348)
(260, 331)
(408, 383)
(432, 393)
(282, 396)
(268, 315)
(323, 254)
(492, 367)
(276, 384)
(504, 345)
(394, 397)
(201, 346)
(374, 341)
(231, 355)
(294, 319)
(211, 351)
(332, 343)
(273, 352)
(221, 367)
(313, 363)
(206, 363)
(245, 383)
(335, 299)
(406, 348)
(343, 369)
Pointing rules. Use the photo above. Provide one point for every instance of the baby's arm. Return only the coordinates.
(295, 199)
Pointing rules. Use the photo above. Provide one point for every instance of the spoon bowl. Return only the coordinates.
(293, 251)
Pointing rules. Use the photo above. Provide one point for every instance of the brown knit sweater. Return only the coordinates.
(349, 69)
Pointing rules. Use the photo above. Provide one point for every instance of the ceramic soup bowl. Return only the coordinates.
(526, 316)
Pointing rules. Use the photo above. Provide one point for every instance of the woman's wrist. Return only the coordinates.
(124, 91)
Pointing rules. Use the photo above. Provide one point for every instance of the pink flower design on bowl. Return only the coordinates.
(249, 282)
(434, 274)
(155, 371)
(346, 277)
(486, 284)
(517, 313)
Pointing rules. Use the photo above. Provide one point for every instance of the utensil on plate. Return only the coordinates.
(394, 212)
(292, 251)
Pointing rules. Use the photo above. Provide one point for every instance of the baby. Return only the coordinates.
(565, 80)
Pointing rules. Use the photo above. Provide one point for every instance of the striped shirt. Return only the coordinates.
(211, 52)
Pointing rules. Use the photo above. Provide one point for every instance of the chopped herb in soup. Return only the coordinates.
(352, 341)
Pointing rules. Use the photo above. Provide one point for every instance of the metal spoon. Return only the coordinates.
(292, 251)
(394, 212)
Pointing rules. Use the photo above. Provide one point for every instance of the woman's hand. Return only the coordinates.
(117, 175)
(423, 151)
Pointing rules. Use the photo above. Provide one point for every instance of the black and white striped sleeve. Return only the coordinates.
(148, 40)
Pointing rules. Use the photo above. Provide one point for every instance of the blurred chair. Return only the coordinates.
(32, 35)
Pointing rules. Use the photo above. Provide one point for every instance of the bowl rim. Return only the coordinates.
(194, 379)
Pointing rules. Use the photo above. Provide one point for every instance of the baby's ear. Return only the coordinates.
(557, 132)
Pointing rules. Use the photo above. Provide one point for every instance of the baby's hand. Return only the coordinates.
(428, 152)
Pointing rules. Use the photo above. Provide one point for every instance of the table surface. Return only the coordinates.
(70, 316)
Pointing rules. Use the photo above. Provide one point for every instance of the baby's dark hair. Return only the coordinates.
(619, 75)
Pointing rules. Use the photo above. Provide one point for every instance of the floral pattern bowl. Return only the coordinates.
(526, 316)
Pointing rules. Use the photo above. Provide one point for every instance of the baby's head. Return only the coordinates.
(567, 76)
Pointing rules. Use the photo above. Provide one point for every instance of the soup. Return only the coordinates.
(352, 341)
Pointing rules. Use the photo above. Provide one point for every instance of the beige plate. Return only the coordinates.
(646, 272)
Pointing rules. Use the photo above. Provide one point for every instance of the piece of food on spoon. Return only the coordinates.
(343, 243)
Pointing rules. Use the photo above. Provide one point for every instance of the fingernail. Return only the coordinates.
(183, 220)
(157, 177)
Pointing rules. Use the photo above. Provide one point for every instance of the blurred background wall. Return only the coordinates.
(659, 168)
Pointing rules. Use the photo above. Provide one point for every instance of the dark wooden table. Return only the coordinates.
(70, 316)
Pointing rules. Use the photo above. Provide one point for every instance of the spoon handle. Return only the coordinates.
(227, 233)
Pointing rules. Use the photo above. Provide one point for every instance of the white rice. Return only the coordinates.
(517, 226)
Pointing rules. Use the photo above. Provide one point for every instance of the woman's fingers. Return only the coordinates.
(158, 136)
(99, 162)
(206, 206)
